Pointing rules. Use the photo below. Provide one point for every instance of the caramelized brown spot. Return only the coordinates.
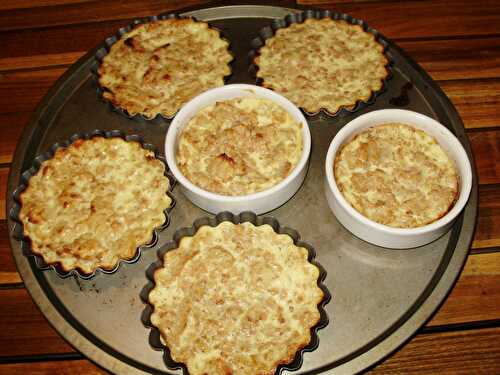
(45, 170)
(33, 219)
(129, 42)
(226, 157)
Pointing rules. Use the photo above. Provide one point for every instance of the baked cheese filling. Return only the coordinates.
(158, 66)
(239, 146)
(397, 175)
(322, 64)
(94, 202)
(235, 299)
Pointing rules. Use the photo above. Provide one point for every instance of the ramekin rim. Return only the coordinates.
(186, 109)
(358, 123)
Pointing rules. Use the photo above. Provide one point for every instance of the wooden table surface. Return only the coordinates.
(457, 42)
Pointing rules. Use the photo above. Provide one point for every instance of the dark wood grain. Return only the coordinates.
(442, 353)
(70, 367)
(11, 127)
(8, 271)
(24, 330)
(39, 61)
(4, 174)
(30, 42)
(22, 4)
(488, 220)
(474, 20)
(486, 149)
(473, 58)
(463, 352)
(68, 14)
(477, 101)
(21, 91)
(422, 19)
(476, 295)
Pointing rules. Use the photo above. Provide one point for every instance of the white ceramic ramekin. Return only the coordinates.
(383, 235)
(260, 202)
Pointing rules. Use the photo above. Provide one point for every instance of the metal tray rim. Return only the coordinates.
(364, 360)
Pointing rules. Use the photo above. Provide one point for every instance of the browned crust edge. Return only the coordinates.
(61, 149)
(106, 95)
(351, 107)
(294, 360)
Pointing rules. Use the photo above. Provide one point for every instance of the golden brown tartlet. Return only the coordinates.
(396, 175)
(239, 146)
(235, 299)
(93, 203)
(322, 64)
(158, 66)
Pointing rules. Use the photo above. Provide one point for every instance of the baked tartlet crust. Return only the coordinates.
(323, 64)
(94, 203)
(235, 298)
(158, 66)
(396, 175)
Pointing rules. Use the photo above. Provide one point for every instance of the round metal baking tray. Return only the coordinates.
(380, 297)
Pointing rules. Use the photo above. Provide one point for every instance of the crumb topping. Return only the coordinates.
(239, 146)
(158, 66)
(235, 299)
(397, 175)
(323, 64)
(94, 203)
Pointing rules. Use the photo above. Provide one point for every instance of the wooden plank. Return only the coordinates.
(96, 11)
(71, 367)
(39, 61)
(453, 59)
(19, 4)
(408, 19)
(11, 127)
(477, 101)
(463, 352)
(31, 42)
(476, 296)
(8, 271)
(421, 19)
(486, 149)
(4, 175)
(488, 220)
(21, 91)
(475, 58)
(24, 330)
